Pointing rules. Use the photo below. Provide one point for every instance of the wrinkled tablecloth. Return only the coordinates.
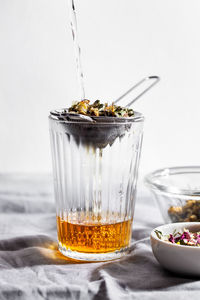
(32, 268)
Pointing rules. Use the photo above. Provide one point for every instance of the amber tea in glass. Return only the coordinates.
(95, 167)
(91, 237)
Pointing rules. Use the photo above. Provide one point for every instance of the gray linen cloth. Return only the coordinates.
(32, 268)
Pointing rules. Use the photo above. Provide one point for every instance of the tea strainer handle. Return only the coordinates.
(155, 80)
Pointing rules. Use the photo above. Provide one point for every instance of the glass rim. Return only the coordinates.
(172, 190)
(138, 117)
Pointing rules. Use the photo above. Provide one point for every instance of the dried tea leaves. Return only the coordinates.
(190, 212)
(98, 109)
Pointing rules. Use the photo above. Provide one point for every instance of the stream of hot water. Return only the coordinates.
(74, 28)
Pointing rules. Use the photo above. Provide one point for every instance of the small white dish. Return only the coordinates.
(180, 259)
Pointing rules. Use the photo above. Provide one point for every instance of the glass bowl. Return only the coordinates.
(177, 193)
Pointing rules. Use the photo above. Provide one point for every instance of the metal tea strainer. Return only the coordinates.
(103, 130)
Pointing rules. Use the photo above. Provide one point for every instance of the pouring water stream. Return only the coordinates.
(77, 48)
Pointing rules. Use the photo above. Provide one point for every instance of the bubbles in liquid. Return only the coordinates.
(93, 236)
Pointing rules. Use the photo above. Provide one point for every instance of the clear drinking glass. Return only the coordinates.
(95, 167)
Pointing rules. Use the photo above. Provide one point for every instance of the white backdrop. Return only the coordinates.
(122, 41)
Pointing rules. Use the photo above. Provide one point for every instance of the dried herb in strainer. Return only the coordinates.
(99, 109)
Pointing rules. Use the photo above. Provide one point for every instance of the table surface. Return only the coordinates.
(32, 268)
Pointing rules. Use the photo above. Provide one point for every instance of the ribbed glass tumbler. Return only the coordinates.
(95, 168)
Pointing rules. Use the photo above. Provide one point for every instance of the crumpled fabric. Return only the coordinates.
(31, 266)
